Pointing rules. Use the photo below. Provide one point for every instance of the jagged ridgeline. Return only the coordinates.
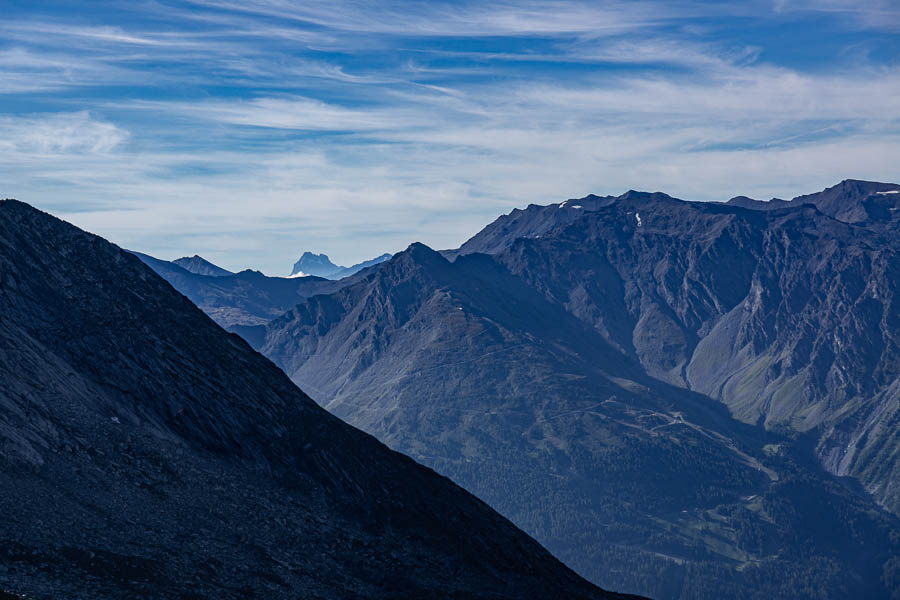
(145, 452)
(684, 400)
(319, 265)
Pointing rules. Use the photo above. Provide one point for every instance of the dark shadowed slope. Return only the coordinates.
(201, 266)
(558, 380)
(145, 452)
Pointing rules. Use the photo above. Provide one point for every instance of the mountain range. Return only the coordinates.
(319, 265)
(239, 301)
(146, 452)
(662, 392)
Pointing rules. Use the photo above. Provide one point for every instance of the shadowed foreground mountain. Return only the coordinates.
(145, 452)
(650, 387)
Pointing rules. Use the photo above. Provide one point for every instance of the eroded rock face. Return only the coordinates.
(644, 384)
(145, 452)
(789, 317)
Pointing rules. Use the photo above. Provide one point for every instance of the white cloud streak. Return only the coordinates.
(869, 14)
(59, 134)
(410, 18)
(325, 151)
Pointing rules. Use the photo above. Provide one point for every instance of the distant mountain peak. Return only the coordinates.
(313, 256)
(311, 263)
(753, 204)
(638, 196)
(320, 265)
(418, 259)
(418, 248)
(200, 266)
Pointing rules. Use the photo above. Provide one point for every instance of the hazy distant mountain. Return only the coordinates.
(244, 302)
(319, 265)
(745, 202)
(200, 266)
(239, 300)
(145, 452)
(578, 377)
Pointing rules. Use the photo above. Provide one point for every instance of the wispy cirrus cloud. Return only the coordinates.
(59, 133)
(250, 131)
(467, 18)
(874, 14)
(278, 113)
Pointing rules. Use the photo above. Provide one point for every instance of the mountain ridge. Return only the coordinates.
(200, 266)
(238, 301)
(319, 265)
(643, 279)
(147, 451)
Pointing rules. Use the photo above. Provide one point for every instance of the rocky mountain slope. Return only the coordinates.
(789, 317)
(649, 386)
(146, 452)
(531, 222)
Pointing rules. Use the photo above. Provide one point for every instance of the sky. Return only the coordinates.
(249, 131)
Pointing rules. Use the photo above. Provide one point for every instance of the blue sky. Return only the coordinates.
(251, 130)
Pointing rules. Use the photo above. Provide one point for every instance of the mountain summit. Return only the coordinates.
(200, 266)
(146, 452)
(319, 265)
